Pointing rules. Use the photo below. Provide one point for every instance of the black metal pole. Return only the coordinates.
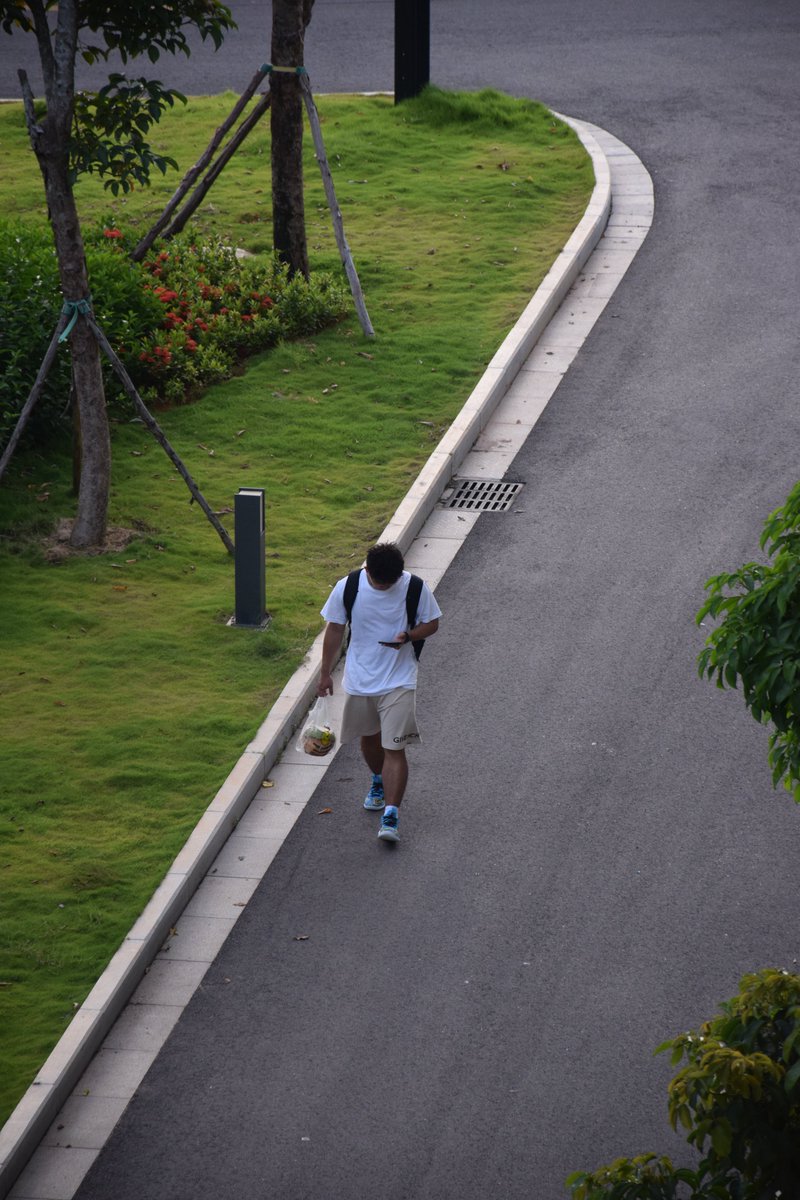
(412, 47)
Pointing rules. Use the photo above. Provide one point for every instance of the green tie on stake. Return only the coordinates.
(72, 310)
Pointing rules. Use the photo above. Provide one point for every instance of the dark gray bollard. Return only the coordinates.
(412, 47)
(249, 506)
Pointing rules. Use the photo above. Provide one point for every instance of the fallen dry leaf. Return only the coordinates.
(322, 811)
(300, 937)
(268, 783)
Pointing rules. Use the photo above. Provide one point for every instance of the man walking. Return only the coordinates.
(380, 673)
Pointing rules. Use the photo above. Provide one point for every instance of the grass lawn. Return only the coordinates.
(124, 698)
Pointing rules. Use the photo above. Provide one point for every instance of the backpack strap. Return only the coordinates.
(350, 593)
(412, 604)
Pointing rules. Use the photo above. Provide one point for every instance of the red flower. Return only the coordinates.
(191, 345)
(247, 316)
(112, 233)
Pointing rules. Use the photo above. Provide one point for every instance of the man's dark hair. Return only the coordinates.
(385, 562)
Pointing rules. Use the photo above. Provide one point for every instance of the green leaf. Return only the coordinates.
(792, 1077)
(721, 1139)
(684, 1116)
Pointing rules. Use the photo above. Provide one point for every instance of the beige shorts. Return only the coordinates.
(392, 714)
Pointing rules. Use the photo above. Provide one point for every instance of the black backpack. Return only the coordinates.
(412, 602)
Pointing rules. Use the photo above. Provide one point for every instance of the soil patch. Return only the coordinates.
(57, 548)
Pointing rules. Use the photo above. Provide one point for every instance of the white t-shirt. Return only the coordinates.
(371, 669)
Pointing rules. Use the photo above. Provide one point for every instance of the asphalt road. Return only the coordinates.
(592, 853)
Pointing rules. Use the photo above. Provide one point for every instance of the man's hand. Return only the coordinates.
(325, 686)
(400, 639)
(331, 645)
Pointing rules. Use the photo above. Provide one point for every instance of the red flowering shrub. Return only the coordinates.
(200, 339)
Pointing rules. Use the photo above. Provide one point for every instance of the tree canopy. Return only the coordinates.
(757, 639)
(109, 127)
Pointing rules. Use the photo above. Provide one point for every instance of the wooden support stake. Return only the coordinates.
(35, 392)
(193, 172)
(336, 215)
(158, 433)
(225, 155)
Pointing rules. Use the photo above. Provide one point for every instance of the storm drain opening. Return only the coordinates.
(481, 495)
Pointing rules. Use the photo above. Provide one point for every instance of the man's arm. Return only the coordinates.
(425, 630)
(331, 645)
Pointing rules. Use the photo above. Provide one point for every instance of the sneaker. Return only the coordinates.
(374, 797)
(388, 829)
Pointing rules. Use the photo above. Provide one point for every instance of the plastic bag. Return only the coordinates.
(317, 737)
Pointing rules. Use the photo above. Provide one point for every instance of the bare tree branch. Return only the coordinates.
(34, 130)
(42, 32)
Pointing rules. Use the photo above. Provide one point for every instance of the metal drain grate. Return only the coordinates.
(481, 495)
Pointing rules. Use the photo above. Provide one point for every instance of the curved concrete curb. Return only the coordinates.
(58, 1077)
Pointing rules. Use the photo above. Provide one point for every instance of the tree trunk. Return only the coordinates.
(50, 141)
(95, 481)
(289, 21)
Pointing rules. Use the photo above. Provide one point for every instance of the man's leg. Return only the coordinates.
(373, 753)
(395, 776)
